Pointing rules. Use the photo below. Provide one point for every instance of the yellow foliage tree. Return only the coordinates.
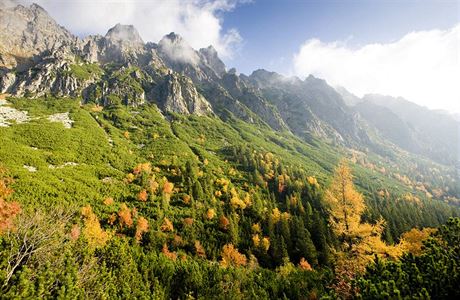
(360, 241)
(153, 186)
(235, 200)
(276, 215)
(412, 240)
(144, 167)
(92, 229)
(345, 205)
(256, 228)
(210, 214)
(109, 201)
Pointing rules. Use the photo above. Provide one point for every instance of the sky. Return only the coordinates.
(408, 48)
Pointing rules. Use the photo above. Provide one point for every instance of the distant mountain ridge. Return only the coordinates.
(38, 57)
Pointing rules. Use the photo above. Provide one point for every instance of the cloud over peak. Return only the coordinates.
(198, 21)
(422, 66)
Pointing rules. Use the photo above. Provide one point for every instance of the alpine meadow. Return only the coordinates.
(151, 170)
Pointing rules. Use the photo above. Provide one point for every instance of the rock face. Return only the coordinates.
(209, 56)
(121, 44)
(124, 36)
(54, 73)
(253, 99)
(179, 95)
(28, 31)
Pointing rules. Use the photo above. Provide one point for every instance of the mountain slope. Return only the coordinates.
(434, 135)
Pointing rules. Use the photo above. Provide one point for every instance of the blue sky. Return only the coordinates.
(273, 30)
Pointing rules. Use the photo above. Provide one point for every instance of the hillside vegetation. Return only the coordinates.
(131, 203)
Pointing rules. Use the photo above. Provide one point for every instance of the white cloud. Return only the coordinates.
(179, 51)
(198, 21)
(422, 67)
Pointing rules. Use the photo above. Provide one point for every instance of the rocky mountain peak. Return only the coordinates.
(263, 78)
(26, 31)
(211, 58)
(174, 37)
(38, 9)
(174, 48)
(124, 34)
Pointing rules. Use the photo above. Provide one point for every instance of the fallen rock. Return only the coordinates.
(62, 118)
(30, 168)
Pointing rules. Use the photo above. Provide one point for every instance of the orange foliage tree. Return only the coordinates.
(167, 253)
(125, 216)
(199, 250)
(224, 223)
(304, 265)
(167, 225)
(141, 227)
(8, 210)
(231, 257)
(143, 196)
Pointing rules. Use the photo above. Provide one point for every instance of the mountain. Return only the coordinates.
(86, 67)
(349, 98)
(414, 128)
(133, 169)
(29, 31)
(311, 107)
(120, 68)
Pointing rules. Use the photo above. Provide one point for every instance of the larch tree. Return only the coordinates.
(345, 205)
(360, 241)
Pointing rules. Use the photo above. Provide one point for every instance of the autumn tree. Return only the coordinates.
(8, 210)
(199, 249)
(231, 257)
(304, 265)
(167, 253)
(143, 196)
(167, 225)
(141, 228)
(360, 241)
(412, 240)
(125, 216)
(92, 229)
(224, 223)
